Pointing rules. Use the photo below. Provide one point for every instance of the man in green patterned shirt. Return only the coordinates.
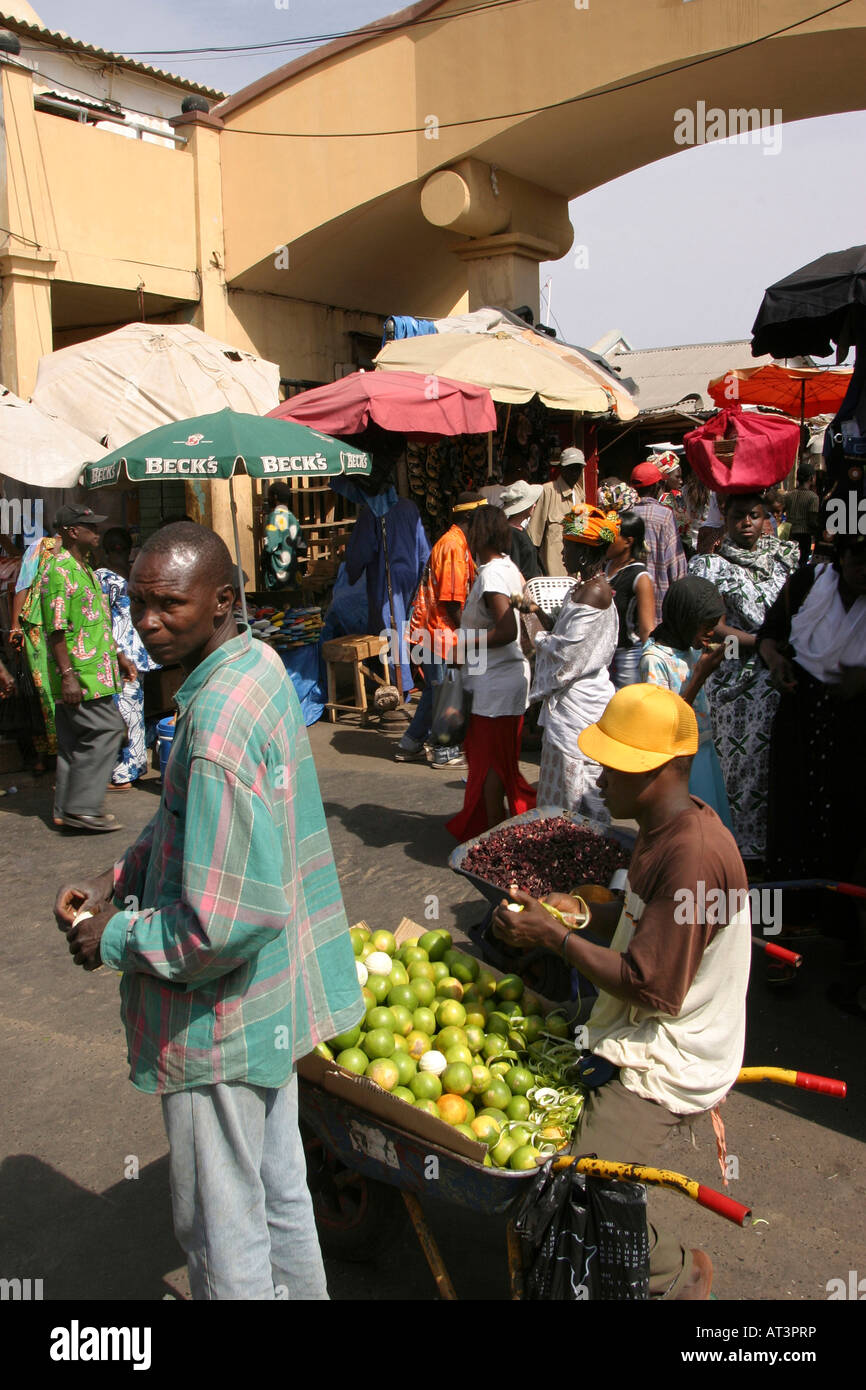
(227, 923)
(83, 673)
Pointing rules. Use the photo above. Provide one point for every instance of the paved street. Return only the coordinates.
(74, 1127)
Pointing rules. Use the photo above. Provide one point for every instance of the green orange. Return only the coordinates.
(452, 1036)
(423, 989)
(510, 987)
(457, 1079)
(518, 1108)
(347, 1039)
(486, 1128)
(496, 1096)
(493, 1046)
(381, 1018)
(398, 975)
(403, 1093)
(557, 1024)
(418, 1043)
(429, 1108)
(384, 1072)
(449, 988)
(379, 1042)
(425, 1020)
(353, 1059)
(440, 970)
(519, 1080)
(403, 995)
(358, 938)
(459, 1054)
(481, 1079)
(436, 943)
(378, 986)
(402, 1020)
(425, 1086)
(406, 1067)
(523, 1158)
(384, 941)
(420, 970)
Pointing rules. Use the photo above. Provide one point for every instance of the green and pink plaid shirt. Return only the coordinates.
(236, 956)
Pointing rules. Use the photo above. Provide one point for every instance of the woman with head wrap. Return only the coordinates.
(749, 572)
(680, 655)
(572, 656)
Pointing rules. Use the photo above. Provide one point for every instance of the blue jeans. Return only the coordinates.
(434, 674)
(241, 1209)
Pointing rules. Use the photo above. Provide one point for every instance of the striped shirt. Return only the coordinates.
(235, 952)
(801, 510)
(665, 557)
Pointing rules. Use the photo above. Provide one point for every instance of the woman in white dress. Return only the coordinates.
(573, 654)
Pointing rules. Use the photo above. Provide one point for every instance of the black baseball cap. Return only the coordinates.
(76, 514)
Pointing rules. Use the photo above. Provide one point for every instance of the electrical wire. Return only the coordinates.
(374, 29)
(551, 106)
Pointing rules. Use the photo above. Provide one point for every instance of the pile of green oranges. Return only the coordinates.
(444, 1035)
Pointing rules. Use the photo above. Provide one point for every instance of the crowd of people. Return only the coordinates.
(737, 603)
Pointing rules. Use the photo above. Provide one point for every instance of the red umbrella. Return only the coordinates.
(798, 391)
(403, 402)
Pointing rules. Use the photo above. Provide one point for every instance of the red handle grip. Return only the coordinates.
(825, 1084)
(780, 953)
(723, 1206)
(851, 890)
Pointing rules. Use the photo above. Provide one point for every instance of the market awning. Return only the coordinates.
(39, 450)
(512, 369)
(404, 402)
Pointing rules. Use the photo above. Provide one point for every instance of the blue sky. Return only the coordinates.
(677, 252)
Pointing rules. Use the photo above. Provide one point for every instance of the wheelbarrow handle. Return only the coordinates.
(826, 1085)
(663, 1177)
(722, 1205)
(777, 952)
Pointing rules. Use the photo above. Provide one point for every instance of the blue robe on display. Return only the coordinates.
(408, 551)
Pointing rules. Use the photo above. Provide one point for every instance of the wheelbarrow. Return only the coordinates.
(361, 1170)
(360, 1167)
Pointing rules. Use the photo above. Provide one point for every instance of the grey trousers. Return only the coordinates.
(619, 1125)
(89, 736)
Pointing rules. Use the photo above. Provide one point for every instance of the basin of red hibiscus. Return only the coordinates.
(543, 851)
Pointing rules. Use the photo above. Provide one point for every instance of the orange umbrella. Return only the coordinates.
(798, 391)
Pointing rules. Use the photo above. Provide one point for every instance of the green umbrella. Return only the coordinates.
(216, 446)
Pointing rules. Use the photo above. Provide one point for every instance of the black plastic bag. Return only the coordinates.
(452, 704)
(584, 1238)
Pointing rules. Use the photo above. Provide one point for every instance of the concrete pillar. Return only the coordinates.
(25, 317)
(209, 503)
(26, 258)
(503, 270)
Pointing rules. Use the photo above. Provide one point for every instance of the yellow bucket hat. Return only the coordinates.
(643, 727)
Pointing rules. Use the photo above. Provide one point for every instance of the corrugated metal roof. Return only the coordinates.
(58, 39)
(667, 376)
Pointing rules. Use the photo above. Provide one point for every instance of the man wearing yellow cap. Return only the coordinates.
(667, 1031)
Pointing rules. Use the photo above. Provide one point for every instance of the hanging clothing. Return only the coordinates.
(573, 680)
(284, 545)
(743, 703)
(132, 762)
(408, 550)
(672, 668)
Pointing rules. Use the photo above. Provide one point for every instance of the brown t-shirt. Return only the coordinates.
(689, 875)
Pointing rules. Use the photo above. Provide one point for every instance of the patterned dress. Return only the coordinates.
(132, 762)
(742, 700)
(35, 646)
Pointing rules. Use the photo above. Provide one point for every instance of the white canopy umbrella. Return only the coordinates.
(39, 450)
(120, 386)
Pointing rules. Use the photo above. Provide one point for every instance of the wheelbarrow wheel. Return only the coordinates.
(357, 1218)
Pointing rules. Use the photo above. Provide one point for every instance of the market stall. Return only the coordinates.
(216, 446)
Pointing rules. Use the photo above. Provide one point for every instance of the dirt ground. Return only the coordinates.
(84, 1199)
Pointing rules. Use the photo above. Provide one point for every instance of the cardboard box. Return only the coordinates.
(391, 1109)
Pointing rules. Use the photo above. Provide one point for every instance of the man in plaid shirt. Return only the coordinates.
(665, 557)
(232, 940)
